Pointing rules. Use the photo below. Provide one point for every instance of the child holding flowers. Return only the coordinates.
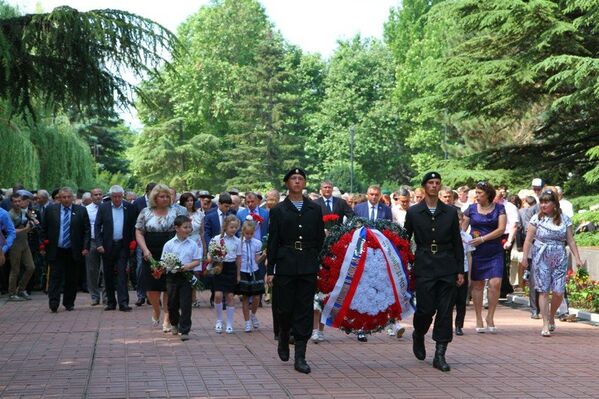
(224, 283)
(179, 255)
(249, 284)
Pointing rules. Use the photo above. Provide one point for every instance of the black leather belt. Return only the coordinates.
(300, 245)
(434, 248)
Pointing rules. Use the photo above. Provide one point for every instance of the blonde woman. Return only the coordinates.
(154, 227)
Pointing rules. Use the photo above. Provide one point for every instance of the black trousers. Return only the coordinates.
(67, 268)
(115, 274)
(179, 290)
(435, 297)
(295, 304)
(460, 302)
(275, 310)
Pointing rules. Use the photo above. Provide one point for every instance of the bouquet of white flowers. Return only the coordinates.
(171, 263)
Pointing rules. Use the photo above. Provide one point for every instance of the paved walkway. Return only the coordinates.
(97, 354)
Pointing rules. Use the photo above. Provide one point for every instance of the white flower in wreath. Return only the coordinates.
(374, 293)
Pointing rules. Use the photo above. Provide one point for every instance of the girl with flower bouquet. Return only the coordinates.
(179, 256)
(224, 283)
(250, 285)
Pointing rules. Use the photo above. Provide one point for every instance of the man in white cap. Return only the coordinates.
(537, 186)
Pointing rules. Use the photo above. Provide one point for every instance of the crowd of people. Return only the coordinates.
(102, 243)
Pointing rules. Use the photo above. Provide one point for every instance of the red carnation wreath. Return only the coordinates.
(380, 242)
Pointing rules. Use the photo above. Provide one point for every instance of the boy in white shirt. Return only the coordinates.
(178, 287)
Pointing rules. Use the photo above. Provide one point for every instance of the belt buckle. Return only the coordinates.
(434, 248)
(298, 245)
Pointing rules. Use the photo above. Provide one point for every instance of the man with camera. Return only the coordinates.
(19, 253)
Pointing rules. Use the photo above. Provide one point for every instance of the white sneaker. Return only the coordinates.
(320, 336)
(255, 321)
(391, 331)
(218, 327)
(24, 295)
(229, 330)
(315, 336)
(248, 326)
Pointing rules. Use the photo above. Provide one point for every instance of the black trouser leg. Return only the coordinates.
(460, 302)
(121, 274)
(296, 304)
(56, 274)
(185, 292)
(275, 311)
(435, 296)
(72, 273)
(108, 266)
(172, 290)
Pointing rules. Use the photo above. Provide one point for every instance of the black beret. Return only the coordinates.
(429, 176)
(294, 171)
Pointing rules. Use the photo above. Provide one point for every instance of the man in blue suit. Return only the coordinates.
(251, 202)
(373, 209)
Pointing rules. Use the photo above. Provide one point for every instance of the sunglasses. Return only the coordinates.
(482, 183)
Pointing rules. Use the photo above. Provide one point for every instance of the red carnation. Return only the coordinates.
(132, 245)
(257, 218)
(330, 220)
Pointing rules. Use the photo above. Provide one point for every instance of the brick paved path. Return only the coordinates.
(97, 354)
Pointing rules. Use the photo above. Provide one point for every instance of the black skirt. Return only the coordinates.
(155, 242)
(250, 284)
(227, 280)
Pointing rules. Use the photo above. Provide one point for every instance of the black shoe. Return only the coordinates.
(458, 331)
(125, 308)
(69, 308)
(301, 365)
(283, 348)
(418, 346)
(362, 337)
(439, 359)
(140, 302)
(110, 307)
(54, 310)
(291, 340)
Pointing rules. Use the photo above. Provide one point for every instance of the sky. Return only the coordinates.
(313, 25)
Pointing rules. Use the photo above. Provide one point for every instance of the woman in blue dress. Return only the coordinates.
(548, 233)
(487, 222)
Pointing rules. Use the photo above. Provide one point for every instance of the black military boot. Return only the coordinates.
(418, 346)
(283, 346)
(300, 358)
(439, 360)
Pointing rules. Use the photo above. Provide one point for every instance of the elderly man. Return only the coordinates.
(114, 230)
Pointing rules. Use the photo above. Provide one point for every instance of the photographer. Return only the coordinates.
(19, 253)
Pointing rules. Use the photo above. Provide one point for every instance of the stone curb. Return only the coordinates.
(581, 314)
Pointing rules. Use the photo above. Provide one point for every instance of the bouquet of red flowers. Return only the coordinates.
(330, 220)
(254, 217)
(157, 268)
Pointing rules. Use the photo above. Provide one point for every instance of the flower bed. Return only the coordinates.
(583, 292)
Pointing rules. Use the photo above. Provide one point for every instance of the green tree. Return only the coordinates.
(358, 86)
(68, 58)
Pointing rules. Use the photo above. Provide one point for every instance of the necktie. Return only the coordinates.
(66, 228)
(222, 220)
(329, 205)
(372, 213)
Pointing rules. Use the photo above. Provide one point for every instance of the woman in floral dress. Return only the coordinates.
(548, 233)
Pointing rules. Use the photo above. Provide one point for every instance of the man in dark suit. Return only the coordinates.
(373, 209)
(213, 221)
(139, 204)
(67, 229)
(295, 239)
(438, 267)
(114, 231)
(329, 204)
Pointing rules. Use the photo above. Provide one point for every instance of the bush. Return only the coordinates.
(584, 202)
(590, 216)
(587, 239)
(583, 293)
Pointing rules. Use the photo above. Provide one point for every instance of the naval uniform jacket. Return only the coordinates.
(439, 250)
(295, 238)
